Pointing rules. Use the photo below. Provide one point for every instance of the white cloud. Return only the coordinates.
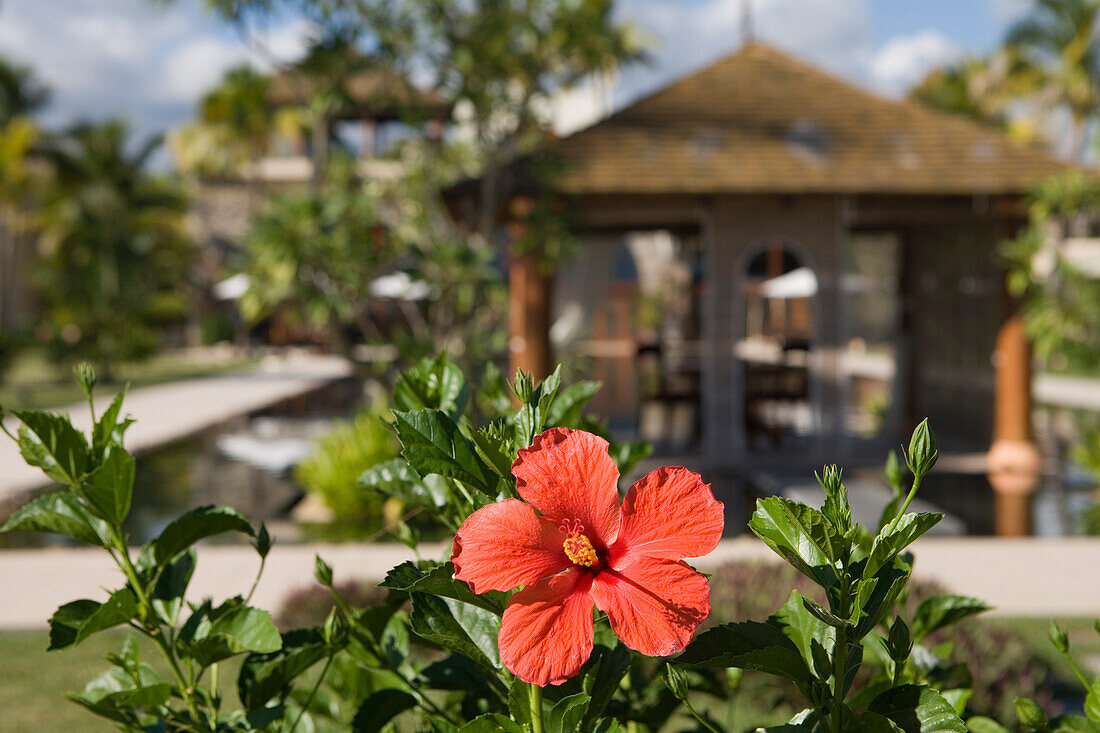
(831, 33)
(905, 60)
(1009, 11)
(145, 61)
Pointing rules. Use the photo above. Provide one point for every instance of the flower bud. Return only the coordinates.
(676, 681)
(85, 376)
(263, 541)
(335, 629)
(900, 642)
(922, 450)
(322, 571)
(1058, 637)
(1030, 714)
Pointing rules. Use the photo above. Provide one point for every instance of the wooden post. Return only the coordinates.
(1014, 461)
(528, 301)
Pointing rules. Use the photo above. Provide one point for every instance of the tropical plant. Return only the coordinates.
(21, 96)
(113, 256)
(1058, 44)
(532, 496)
(340, 457)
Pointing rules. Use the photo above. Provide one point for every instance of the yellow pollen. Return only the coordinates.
(579, 550)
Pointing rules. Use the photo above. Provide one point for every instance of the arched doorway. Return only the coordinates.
(777, 294)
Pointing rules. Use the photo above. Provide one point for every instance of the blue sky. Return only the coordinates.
(150, 61)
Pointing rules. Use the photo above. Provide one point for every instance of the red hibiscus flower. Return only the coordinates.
(582, 549)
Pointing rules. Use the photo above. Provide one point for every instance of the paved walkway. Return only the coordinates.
(168, 412)
(1026, 577)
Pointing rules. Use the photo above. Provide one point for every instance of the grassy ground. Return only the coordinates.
(35, 383)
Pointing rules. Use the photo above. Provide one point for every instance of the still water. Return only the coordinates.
(245, 463)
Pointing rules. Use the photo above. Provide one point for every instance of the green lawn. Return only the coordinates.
(33, 682)
(35, 383)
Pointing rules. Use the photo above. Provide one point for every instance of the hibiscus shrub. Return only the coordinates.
(558, 608)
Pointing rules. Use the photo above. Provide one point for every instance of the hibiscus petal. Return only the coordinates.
(669, 514)
(546, 633)
(569, 476)
(654, 606)
(505, 545)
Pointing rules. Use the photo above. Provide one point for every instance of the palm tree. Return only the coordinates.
(20, 97)
(1058, 44)
(113, 255)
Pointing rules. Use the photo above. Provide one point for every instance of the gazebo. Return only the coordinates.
(778, 268)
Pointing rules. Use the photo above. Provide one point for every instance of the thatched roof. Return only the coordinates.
(762, 121)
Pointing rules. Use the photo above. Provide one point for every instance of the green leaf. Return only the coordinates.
(433, 384)
(629, 454)
(457, 627)
(896, 536)
(803, 628)
(266, 675)
(1075, 724)
(748, 645)
(197, 524)
(1092, 701)
(800, 535)
(379, 709)
(917, 709)
(492, 723)
(876, 596)
(943, 610)
(395, 478)
(440, 581)
(62, 513)
(51, 443)
(565, 411)
(874, 723)
(76, 621)
(530, 420)
(122, 705)
(567, 714)
(237, 631)
(603, 678)
(107, 429)
(172, 585)
(982, 724)
(111, 486)
(495, 446)
(432, 443)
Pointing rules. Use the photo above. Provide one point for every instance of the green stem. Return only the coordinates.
(1077, 671)
(313, 692)
(185, 689)
(256, 582)
(698, 717)
(912, 492)
(839, 654)
(536, 709)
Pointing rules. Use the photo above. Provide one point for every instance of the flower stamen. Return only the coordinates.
(579, 550)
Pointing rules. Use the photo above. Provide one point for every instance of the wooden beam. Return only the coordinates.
(529, 294)
(1014, 461)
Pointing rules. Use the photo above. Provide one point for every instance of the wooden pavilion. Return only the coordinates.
(778, 268)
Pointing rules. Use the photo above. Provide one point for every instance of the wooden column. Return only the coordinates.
(528, 301)
(1014, 462)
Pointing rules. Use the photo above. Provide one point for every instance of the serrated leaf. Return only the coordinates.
(440, 581)
(110, 487)
(896, 536)
(433, 384)
(748, 645)
(107, 429)
(432, 443)
(457, 627)
(396, 478)
(803, 628)
(1092, 701)
(943, 610)
(168, 596)
(264, 676)
(237, 631)
(74, 622)
(918, 709)
(51, 443)
(567, 714)
(492, 723)
(61, 513)
(800, 535)
(195, 525)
